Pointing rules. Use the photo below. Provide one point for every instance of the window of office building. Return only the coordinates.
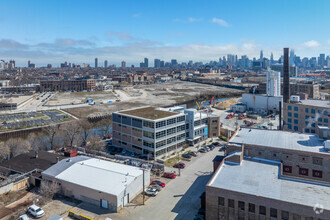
(307, 130)
(325, 112)
(160, 124)
(319, 119)
(137, 130)
(171, 131)
(204, 121)
(313, 111)
(160, 134)
(252, 208)
(303, 171)
(289, 120)
(181, 118)
(285, 215)
(181, 136)
(241, 205)
(295, 108)
(262, 210)
(187, 126)
(160, 143)
(197, 123)
(295, 121)
(148, 134)
(312, 131)
(296, 115)
(326, 120)
(148, 144)
(231, 203)
(214, 121)
(148, 124)
(181, 128)
(221, 201)
(273, 213)
(295, 128)
(289, 107)
(317, 173)
(289, 114)
(171, 121)
(289, 126)
(171, 140)
(306, 117)
(306, 110)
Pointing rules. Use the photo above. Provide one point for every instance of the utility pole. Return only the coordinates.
(143, 193)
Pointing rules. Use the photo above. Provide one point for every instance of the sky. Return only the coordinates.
(77, 31)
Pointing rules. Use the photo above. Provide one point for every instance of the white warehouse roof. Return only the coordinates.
(96, 174)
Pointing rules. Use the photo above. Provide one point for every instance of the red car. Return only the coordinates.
(169, 175)
(157, 182)
(179, 165)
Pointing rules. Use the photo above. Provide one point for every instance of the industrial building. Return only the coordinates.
(99, 182)
(269, 174)
(308, 116)
(68, 85)
(160, 131)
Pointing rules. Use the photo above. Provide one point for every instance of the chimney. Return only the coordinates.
(286, 76)
(37, 154)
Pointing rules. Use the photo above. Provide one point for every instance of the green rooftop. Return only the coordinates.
(148, 113)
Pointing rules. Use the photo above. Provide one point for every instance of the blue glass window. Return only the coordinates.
(296, 115)
(289, 120)
(313, 111)
(306, 110)
(296, 121)
(296, 108)
(289, 107)
(289, 114)
(289, 126)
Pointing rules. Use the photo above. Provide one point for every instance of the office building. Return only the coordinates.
(105, 64)
(261, 55)
(102, 183)
(174, 62)
(123, 64)
(160, 131)
(273, 82)
(146, 62)
(321, 60)
(96, 62)
(307, 116)
(157, 63)
(67, 85)
(269, 174)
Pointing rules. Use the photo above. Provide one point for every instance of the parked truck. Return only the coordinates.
(230, 115)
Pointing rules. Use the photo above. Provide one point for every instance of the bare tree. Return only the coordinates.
(95, 143)
(105, 125)
(48, 189)
(4, 151)
(86, 129)
(52, 133)
(36, 141)
(70, 133)
(17, 146)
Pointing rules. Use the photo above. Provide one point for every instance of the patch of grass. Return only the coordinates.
(170, 162)
(223, 138)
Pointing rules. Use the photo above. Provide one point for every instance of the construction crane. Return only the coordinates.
(198, 105)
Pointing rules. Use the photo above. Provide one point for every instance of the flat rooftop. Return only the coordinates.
(149, 113)
(266, 183)
(279, 139)
(317, 103)
(93, 173)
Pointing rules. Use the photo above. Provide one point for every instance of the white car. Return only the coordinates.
(36, 211)
(151, 192)
(23, 217)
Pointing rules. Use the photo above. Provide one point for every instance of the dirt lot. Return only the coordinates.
(160, 94)
(67, 98)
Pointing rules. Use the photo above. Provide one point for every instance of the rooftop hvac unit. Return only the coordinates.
(327, 145)
(294, 98)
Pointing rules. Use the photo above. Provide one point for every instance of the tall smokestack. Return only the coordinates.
(286, 77)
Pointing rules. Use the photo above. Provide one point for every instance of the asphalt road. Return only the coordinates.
(180, 198)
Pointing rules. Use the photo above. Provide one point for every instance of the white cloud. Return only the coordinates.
(188, 20)
(220, 22)
(311, 44)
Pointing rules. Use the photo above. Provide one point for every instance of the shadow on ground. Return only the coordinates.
(188, 205)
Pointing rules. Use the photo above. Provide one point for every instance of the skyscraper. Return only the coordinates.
(157, 63)
(271, 58)
(96, 62)
(261, 55)
(123, 64)
(292, 58)
(321, 60)
(146, 62)
(105, 64)
(174, 62)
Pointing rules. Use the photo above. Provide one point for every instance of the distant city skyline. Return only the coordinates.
(56, 31)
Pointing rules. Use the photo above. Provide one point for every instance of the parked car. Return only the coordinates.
(216, 144)
(151, 192)
(36, 211)
(211, 147)
(156, 187)
(179, 165)
(222, 148)
(207, 149)
(157, 182)
(193, 153)
(202, 150)
(169, 175)
(24, 217)
(188, 156)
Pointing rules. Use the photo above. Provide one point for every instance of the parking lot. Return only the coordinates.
(30, 119)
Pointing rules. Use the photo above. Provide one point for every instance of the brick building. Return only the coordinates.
(270, 174)
(68, 85)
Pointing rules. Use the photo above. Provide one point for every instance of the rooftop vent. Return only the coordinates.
(295, 98)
